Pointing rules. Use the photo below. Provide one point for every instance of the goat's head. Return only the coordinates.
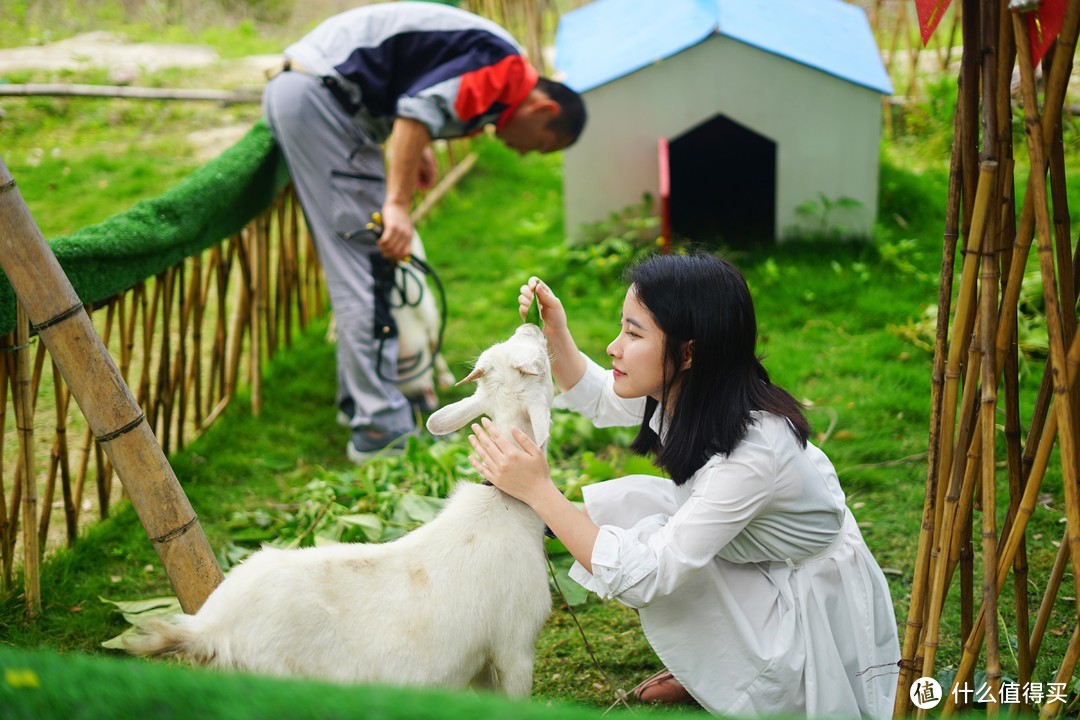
(513, 387)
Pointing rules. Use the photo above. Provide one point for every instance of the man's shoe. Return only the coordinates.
(663, 688)
(362, 447)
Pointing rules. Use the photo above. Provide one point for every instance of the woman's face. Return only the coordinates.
(637, 353)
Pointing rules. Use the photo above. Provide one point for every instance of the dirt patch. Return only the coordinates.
(104, 50)
(125, 62)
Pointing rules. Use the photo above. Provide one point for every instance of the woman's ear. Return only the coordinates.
(688, 355)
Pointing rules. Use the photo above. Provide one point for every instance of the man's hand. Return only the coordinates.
(410, 161)
(397, 231)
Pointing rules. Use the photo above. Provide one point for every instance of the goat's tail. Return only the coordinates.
(173, 637)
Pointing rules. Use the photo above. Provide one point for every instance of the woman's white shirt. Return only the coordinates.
(730, 557)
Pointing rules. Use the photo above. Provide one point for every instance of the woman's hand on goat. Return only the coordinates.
(523, 473)
(518, 471)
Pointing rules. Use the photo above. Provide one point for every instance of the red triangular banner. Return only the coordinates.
(1044, 25)
(930, 14)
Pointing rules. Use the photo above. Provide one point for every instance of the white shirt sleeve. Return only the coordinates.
(594, 397)
(650, 560)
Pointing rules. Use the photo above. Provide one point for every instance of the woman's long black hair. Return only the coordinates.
(703, 300)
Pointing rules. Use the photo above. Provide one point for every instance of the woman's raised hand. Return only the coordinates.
(551, 308)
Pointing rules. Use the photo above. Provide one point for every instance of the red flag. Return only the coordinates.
(1044, 25)
(930, 14)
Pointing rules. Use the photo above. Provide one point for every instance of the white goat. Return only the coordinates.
(457, 602)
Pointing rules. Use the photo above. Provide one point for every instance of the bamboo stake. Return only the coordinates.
(284, 280)
(1055, 94)
(1065, 671)
(268, 307)
(106, 401)
(24, 421)
(70, 514)
(910, 667)
(194, 376)
(989, 279)
(1026, 509)
(1033, 128)
(258, 310)
(163, 390)
(1053, 584)
(294, 243)
(6, 548)
(964, 302)
(217, 355)
(988, 411)
(177, 386)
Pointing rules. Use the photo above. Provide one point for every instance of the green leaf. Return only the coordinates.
(118, 642)
(417, 508)
(151, 606)
(532, 315)
(369, 523)
(573, 593)
(138, 611)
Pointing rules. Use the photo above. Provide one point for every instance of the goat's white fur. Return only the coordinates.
(457, 602)
(417, 319)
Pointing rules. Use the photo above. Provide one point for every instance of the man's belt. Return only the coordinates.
(330, 83)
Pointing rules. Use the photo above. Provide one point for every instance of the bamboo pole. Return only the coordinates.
(122, 91)
(964, 303)
(1055, 326)
(107, 403)
(988, 284)
(24, 420)
(1010, 547)
(258, 312)
(910, 665)
(6, 548)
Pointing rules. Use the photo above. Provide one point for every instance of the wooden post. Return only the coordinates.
(106, 401)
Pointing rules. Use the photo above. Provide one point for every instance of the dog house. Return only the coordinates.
(748, 120)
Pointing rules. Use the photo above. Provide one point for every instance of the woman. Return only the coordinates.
(753, 582)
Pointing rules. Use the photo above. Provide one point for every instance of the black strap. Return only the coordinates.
(341, 95)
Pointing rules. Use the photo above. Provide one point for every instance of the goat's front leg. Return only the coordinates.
(513, 673)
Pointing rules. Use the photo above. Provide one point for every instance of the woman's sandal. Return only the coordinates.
(663, 688)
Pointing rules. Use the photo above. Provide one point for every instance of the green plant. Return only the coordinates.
(820, 219)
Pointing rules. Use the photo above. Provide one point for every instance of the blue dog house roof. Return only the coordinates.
(607, 39)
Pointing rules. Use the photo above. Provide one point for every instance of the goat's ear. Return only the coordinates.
(475, 375)
(540, 419)
(524, 369)
(453, 417)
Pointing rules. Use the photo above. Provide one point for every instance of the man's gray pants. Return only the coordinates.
(340, 178)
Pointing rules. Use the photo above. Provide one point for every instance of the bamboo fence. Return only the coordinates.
(976, 377)
(184, 342)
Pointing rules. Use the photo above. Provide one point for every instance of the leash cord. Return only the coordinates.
(620, 695)
(403, 291)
